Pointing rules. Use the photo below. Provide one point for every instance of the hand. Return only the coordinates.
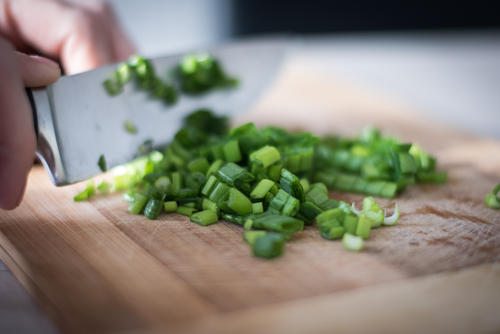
(80, 35)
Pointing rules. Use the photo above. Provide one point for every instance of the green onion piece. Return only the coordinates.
(333, 215)
(233, 218)
(235, 176)
(493, 200)
(205, 217)
(113, 85)
(102, 163)
(352, 242)
(124, 73)
(310, 210)
(209, 185)
(130, 127)
(88, 192)
(274, 172)
(354, 210)
(81, 196)
(277, 223)
(251, 236)
(265, 156)
(261, 189)
(207, 204)
(153, 208)
(269, 246)
(290, 183)
(331, 231)
(190, 204)
(373, 211)
(257, 208)
(279, 201)
(305, 185)
(291, 207)
(162, 183)
(350, 224)
(248, 224)
(176, 181)
(364, 226)
(220, 193)
(214, 167)
(185, 211)
(238, 202)
(170, 206)
(232, 151)
(104, 187)
(138, 203)
(198, 165)
(392, 219)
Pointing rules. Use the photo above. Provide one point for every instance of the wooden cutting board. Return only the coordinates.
(97, 269)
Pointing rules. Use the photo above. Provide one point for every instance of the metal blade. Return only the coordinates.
(85, 122)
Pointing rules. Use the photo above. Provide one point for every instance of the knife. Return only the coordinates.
(76, 121)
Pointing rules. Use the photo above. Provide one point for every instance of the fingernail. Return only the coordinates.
(44, 60)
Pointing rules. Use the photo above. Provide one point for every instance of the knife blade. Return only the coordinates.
(77, 121)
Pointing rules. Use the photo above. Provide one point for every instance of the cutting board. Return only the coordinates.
(95, 268)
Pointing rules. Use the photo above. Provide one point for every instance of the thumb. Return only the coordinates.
(37, 71)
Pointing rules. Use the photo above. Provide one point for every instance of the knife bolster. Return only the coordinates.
(47, 141)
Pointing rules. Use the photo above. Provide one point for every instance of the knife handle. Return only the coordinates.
(47, 147)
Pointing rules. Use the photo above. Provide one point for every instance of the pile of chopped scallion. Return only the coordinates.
(271, 181)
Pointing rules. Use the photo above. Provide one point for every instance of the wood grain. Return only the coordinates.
(95, 268)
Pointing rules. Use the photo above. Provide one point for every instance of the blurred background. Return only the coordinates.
(443, 57)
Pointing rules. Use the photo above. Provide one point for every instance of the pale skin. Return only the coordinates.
(80, 35)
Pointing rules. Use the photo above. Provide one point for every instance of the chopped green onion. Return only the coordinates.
(353, 209)
(248, 224)
(238, 202)
(214, 167)
(261, 189)
(291, 184)
(102, 163)
(493, 200)
(266, 156)
(305, 185)
(88, 192)
(198, 165)
(209, 205)
(104, 187)
(138, 203)
(153, 208)
(185, 211)
(130, 127)
(392, 219)
(364, 226)
(259, 178)
(162, 183)
(170, 206)
(373, 211)
(269, 246)
(352, 242)
(205, 217)
(232, 151)
(252, 236)
(257, 208)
